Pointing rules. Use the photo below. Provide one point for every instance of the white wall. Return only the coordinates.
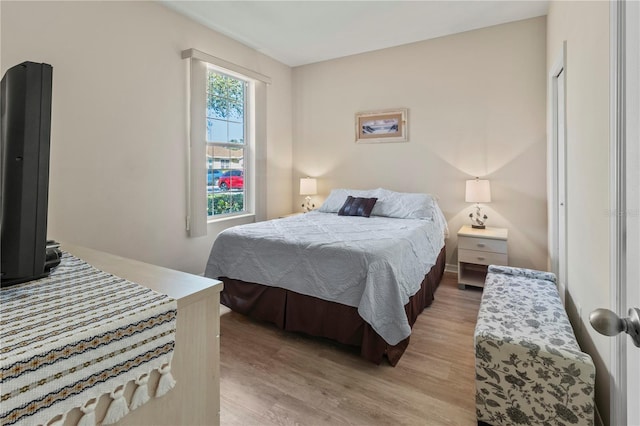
(585, 27)
(119, 142)
(477, 107)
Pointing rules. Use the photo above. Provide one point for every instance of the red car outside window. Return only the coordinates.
(231, 179)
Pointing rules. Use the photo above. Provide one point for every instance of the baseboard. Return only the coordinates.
(598, 420)
(453, 268)
(562, 292)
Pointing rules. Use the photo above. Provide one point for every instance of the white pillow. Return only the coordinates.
(404, 205)
(337, 198)
(441, 219)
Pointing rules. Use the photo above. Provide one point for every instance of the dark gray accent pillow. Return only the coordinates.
(357, 206)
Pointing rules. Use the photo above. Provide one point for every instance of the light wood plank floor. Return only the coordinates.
(271, 377)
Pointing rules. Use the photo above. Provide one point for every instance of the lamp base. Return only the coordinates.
(307, 207)
(478, 220)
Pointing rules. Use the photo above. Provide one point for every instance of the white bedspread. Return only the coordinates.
(374, 264)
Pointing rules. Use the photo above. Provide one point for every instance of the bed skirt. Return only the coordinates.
(297, 312)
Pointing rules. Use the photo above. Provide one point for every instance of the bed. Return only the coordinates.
(357, 273)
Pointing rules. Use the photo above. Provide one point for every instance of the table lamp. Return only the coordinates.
(308, 187)
(478, 191)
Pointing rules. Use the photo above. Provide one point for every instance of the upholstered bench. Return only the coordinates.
(529, 367)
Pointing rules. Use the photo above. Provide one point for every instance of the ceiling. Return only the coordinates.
(302, 32)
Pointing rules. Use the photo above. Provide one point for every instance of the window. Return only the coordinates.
(226, 143)
(227, 133)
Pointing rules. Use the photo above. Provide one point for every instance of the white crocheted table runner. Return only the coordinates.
(77, 334)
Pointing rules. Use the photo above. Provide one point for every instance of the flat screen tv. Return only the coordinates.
(25, 128)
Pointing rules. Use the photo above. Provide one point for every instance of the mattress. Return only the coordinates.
(373, 264)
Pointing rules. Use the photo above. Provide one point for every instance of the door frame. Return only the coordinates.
(624, 45)
(553, 236)
(617, 258)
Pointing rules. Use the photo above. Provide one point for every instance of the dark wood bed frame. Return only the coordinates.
(296, 312)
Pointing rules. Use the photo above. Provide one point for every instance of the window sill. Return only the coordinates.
(232, 217)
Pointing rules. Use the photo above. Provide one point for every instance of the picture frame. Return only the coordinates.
(382, 126)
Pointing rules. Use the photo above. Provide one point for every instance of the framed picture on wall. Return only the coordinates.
(382, 126)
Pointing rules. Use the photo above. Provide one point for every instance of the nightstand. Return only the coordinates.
(477, 249)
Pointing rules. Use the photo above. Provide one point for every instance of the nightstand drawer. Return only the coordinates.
(481, 257)
(482, 244)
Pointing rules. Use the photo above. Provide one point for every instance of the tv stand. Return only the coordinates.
(196, 360)
(52, 256)
(51, 260)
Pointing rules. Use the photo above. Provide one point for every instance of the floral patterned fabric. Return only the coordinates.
(529, 367)
(522, 272)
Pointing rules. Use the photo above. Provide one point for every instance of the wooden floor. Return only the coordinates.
(271, 377)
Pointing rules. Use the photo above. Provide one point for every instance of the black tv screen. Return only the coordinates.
(25, 109)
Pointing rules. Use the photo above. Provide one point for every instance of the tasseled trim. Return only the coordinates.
(118, 407)
(141, 394)
(166, 382)
(57, 420)
(88, 413)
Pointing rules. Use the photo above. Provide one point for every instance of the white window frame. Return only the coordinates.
(248, 145)
(197, 219)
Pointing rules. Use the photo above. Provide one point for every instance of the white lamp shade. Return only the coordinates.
(478, 191)
(308, 186)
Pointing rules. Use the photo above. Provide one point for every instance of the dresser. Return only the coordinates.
(477, 249)
(196, 360)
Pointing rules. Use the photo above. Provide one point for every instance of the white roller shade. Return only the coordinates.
(197, 206)
(260, 150)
